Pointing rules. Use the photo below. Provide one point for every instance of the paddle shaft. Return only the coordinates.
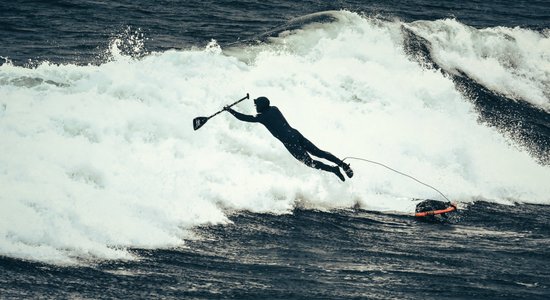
(234, 103)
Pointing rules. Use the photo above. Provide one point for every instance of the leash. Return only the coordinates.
(398, 172)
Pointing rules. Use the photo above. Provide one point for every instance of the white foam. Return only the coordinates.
(98, 159)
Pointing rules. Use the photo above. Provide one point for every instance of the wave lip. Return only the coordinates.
(514, 62)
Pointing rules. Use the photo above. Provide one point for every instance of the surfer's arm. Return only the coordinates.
(242, 117)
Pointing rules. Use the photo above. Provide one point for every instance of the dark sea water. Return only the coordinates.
(106, 192)
(78, 31)
(487, 252)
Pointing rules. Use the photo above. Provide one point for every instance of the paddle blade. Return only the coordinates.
(198, 122)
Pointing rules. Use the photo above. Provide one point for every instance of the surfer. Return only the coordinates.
(300, 147)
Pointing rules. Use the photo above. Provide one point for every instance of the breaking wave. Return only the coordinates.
(96, 160)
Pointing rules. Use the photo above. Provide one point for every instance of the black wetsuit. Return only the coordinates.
(294, 141)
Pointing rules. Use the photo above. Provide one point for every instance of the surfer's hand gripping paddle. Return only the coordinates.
(199, 121)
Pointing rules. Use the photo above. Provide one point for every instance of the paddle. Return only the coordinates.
(199, 121)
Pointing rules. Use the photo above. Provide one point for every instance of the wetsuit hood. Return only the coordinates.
(262, 104)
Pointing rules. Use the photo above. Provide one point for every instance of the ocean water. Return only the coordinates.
(106, 191)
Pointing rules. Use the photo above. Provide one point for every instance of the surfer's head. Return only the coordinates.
(262, 104)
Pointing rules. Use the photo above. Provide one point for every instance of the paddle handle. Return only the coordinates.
(234, 103)
(240, 100)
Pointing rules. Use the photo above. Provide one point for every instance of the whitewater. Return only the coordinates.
(99, 159)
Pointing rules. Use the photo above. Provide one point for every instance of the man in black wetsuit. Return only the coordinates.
(294, 141)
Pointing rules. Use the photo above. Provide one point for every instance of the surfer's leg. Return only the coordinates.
(301, 154)
(315, 151)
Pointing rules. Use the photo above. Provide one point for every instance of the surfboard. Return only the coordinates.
(431, 207)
